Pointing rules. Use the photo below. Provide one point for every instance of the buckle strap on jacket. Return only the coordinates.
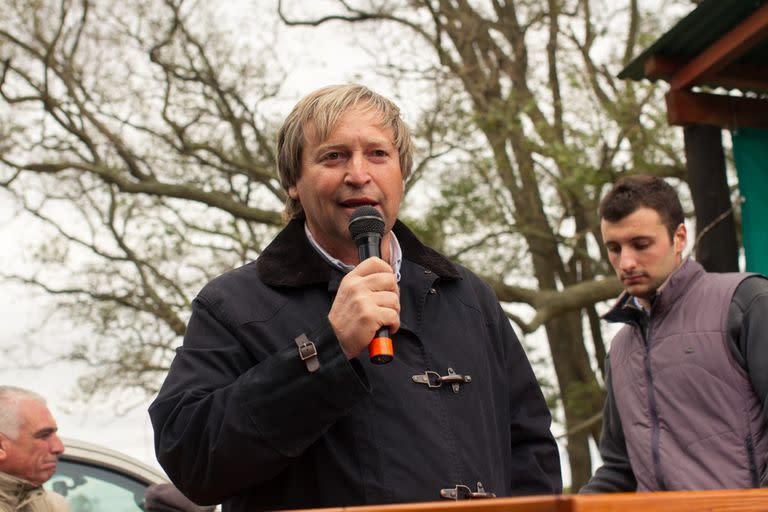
(308, 353)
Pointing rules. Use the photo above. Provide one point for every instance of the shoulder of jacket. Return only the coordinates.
(56, 501)
(240, 296)
(482, 289)
(232, 286)
(44, 500)
(753, 287)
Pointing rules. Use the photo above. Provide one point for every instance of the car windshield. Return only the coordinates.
(89, 488)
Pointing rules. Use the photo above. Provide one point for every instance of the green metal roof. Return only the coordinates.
(697, 31)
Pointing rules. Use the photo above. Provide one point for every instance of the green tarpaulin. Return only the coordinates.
(750, 152)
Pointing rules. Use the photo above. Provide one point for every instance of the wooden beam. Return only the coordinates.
(662, 67)
(735, 76)
(725, 50)
(685, 108)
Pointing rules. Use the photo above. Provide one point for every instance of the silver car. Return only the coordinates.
(93, 478)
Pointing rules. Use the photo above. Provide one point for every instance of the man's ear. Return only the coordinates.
(3, 447)
(293, 192)
(680, 238)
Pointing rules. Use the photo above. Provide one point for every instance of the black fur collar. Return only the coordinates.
(290, 260)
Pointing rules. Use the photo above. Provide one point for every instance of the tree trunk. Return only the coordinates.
(581, 393)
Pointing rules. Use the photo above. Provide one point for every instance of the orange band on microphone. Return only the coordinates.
(380, 350)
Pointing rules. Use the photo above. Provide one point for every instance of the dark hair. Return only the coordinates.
(640, 191)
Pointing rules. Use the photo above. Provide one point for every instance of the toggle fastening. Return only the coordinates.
(435, 380)
(463, 492)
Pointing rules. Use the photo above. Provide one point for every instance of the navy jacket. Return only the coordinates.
(241, 420)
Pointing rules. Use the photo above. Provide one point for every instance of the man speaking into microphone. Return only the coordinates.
(274, 401)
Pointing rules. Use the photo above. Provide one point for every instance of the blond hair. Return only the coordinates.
(319, 112)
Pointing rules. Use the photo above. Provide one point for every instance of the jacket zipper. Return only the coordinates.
(752, 462)
(653, 408)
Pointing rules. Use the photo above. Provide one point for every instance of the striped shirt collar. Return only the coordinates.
(395, 252)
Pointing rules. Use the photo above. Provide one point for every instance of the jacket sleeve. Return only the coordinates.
(535, 456)
(747, 327)
(615, 475)
(224, 422)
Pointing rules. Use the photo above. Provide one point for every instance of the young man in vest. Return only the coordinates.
(687, 376)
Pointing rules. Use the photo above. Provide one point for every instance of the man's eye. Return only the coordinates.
(333, 155)
(44, 434)
(613, 249)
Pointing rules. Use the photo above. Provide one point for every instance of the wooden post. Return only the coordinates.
(718, 249)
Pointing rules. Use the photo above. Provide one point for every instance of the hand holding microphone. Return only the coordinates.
(368, 297)
(366, 227)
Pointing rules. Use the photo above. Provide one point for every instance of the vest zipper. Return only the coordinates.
(752, 461)
(653, 409)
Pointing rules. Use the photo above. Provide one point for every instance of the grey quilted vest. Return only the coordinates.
(689, 413)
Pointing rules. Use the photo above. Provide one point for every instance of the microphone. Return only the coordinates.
(366, 227)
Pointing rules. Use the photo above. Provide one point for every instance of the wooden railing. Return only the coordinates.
(750, 500)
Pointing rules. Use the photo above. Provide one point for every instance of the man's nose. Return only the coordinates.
(357, 170)
(627, 260)
(56, 445)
